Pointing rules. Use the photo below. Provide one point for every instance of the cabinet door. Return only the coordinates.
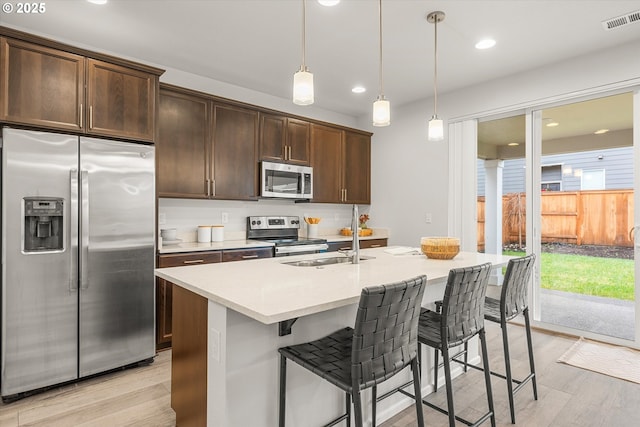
(41, 86)
(121, 101)
(272, 137)
(356, 168)
(182, 145)
(298, 141)
(326, 155)
(235, 144)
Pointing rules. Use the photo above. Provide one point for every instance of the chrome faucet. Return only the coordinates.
(355, 243)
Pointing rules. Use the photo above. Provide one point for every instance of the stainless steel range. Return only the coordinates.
(282, 231)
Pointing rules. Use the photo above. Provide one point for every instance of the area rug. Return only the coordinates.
(612, 360)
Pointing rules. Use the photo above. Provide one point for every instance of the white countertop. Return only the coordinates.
(269, 291)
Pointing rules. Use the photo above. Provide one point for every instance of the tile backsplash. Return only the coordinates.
(186, 215)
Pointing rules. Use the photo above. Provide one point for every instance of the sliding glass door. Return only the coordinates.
(560, 182)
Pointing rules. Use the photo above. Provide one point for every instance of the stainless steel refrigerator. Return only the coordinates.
(78, 221)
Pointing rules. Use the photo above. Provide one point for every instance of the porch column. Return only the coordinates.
(493, 212)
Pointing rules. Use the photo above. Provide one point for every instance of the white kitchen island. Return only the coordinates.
(226, 323)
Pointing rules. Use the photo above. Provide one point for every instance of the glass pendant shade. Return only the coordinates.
(303, 87)
(381, 112)
(436, 129)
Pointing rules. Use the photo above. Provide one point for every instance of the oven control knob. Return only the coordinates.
(253, 222)
(259, 222)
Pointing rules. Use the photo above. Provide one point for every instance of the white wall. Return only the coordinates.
(410, 175)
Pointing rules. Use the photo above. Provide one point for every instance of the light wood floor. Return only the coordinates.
(568, 396)
(133, 397)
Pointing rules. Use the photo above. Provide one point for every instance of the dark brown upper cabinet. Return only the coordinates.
(183, 144)
(206, 149)
(121, 101)
(47, 84)
(284, 139)
(341, 161)
(41, 86)
(233, 156)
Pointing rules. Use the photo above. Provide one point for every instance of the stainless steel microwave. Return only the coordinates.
(286, 181)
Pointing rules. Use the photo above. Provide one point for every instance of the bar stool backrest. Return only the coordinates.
(463, 303)
(385, 337)
(514, 299)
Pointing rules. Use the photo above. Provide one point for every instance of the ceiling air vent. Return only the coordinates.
(621, 21)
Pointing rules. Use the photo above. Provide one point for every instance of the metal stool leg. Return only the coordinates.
(449, 386)
(357, 407)
(416, 390)
(348, 407)
(487, 376)
(530, 346)
(374, 392)
(507, 368)
(435, 369)
(283, 386)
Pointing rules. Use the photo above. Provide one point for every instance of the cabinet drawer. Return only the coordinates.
(372, 243)
(246, 254)
(179, 260)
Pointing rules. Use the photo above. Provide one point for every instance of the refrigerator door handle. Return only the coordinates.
(73, 228)
(84, 231)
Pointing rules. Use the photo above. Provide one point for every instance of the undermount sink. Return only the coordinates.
(319, 262)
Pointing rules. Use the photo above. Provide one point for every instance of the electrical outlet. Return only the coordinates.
(162, 219)
(428, 218)
(225, 217)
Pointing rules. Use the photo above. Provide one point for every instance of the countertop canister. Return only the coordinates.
(204, 233)
(217, 233)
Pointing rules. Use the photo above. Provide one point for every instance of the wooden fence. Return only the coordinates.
(598, 217)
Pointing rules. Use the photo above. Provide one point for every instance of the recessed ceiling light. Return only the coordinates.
(485, 44)
(513, 144)
(98, 1)
(552, 124)
(601, 131)
(328, 2)
(358, 89)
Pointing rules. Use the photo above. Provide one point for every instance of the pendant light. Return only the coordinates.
(381, 108)
(303, 79)
(436, 126)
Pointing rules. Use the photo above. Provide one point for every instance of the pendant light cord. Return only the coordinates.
(380, 44)
(304, 35)
(435, 69)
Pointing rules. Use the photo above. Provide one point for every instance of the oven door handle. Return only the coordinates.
(301, 248)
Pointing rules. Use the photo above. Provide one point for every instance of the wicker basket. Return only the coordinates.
(440, 247)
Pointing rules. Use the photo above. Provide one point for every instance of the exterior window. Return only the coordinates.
(592, 179)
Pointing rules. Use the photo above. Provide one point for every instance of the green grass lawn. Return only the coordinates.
(603, 277)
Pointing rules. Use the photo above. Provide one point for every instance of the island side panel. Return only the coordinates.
(189, 358)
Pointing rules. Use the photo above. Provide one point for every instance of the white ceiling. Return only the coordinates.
(257, 43)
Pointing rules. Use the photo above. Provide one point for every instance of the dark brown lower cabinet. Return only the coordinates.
(164, 290)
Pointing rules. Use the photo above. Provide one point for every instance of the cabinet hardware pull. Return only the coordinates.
(90, 116)
(346, 248)
(208, 188)
(249, 256)
(81, 116)
(375, 246)
(289, 156)
(213, 188)
(195, 261)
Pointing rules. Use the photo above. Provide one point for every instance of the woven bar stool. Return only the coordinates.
(461, 318)
(382, 343)
(513, 301)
